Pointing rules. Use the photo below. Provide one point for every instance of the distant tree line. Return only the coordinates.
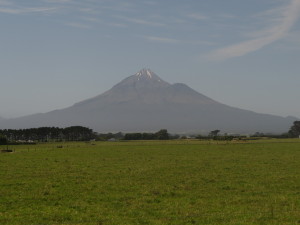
(79, 133)
(294, 132)
(74, 133)
(44, 134)
(160, 135)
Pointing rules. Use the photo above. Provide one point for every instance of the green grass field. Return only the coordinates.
(168, 182)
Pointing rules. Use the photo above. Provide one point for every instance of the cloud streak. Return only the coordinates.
(162, 40)
(78, 25)
(17, 11)
(197, 16)
(165, 40)
(5, 2)
(285, 18)
(58, 1)
(143, 22)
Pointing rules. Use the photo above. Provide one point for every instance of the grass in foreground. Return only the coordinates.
(183, 182)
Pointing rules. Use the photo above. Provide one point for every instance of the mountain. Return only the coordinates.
(145, 102)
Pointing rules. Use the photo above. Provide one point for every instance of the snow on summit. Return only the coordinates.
(145, 72)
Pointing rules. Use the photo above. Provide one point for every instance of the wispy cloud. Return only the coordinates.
(12, 7)
(150, 2)
(58, 1)
(282, 20)
(143, 22)
(101, 22)
(79, 25)
(120, 25)
(92, 19)
(89, 12)
(5, 2)
(27, 10)
(226, 16)
(197, 16)
(291, 43)
(165, 40)
(162, 39)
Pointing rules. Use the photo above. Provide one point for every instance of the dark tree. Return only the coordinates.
(214, 133)
(133, 136)
(3, 140)
(78, 133)
(162, 135)
(295, 129)
(148, 136)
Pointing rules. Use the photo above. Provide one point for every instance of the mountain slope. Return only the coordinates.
(145, 102)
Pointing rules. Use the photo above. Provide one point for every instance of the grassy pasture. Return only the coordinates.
(152, 182)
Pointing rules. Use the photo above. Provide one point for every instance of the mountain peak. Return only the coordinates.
(144, 79)
(145, 73)
(146, 76)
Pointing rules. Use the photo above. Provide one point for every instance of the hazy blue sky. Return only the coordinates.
(244, 53)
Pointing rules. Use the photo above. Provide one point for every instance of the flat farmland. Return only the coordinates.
(151, 182)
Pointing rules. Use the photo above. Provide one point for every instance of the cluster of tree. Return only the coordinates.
(160, 135)
(214, 135)
(44, 134)
(109, 136)
(228, 138)
(260, 135)
(294, 132)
